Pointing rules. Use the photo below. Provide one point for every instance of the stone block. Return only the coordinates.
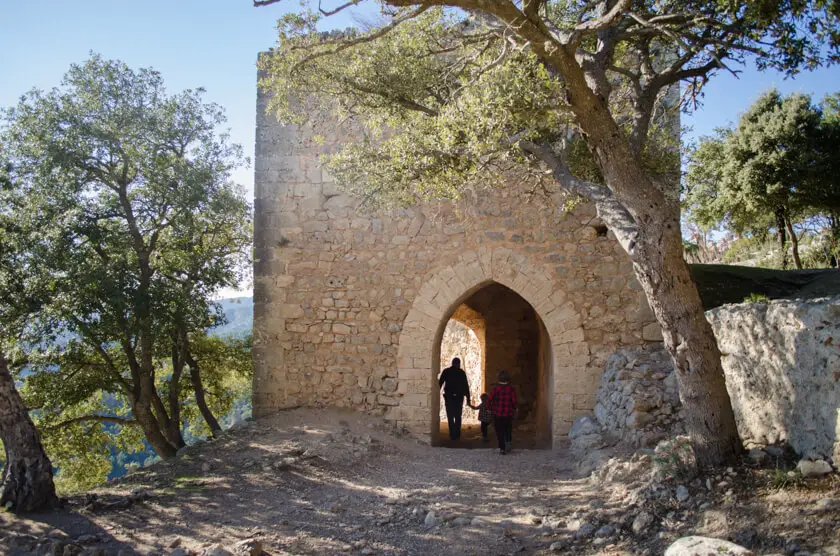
(652, 332)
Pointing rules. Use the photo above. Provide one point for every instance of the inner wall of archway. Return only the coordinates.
(513, 339)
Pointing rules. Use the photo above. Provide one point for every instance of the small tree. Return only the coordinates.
(493, 87)
(826, 197)
(773, 170)
(124, 192)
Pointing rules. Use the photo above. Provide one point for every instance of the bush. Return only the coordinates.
(674, 459)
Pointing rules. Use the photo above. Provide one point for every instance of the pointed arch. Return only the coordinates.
(445, 288)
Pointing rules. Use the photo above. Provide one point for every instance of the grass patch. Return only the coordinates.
(189, 482)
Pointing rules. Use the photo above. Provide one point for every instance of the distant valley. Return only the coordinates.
(239, 312)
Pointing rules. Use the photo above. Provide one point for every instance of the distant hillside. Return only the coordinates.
(240, 315)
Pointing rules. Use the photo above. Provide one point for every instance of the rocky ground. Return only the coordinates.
(329, 482)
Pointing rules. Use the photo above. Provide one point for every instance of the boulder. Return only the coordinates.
(817, 468)
(705, 546)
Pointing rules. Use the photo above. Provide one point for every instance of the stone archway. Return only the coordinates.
(446, 288)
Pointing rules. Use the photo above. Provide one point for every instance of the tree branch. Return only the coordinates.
(342, 7)
(345, 44)
(98, 418)
(609, 209)
(605, 20)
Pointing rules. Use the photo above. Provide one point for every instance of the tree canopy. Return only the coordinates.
(448, 94)
(771, 171)
(124, 223)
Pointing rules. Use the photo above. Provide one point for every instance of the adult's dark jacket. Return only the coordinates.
(454, 383)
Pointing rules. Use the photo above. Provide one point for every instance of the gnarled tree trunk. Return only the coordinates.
(646, 220)
(27, 481)
(142, 410)
(673, 296)
(794, 243)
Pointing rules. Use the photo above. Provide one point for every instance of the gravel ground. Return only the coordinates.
(331, 482)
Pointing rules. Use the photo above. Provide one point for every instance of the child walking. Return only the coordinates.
(503, 407)
(484, 415)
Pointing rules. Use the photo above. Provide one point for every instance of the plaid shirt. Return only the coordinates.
(484, 413)
(503, 400)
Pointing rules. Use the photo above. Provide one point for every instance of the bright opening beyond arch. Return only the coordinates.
(459, 340)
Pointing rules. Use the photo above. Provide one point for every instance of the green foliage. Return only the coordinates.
(226, 371)
(756, 298)
(118, 223)
(780, 479)
(441, 102)
(83, 451)
(439, 106)
(773, 171)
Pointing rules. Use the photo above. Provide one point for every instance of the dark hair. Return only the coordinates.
(503, 376)
(456, 363)
(484, 396)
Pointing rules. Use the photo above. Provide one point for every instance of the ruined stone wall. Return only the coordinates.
(782, 365)
(349, 306)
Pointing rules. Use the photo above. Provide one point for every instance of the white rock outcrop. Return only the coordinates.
(782, 365)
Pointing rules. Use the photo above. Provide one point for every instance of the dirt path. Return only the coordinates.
(326, 482)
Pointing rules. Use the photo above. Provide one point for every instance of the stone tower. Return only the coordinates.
(350, 306)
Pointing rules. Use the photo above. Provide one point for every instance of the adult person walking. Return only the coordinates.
(503, 406)
(456, 387)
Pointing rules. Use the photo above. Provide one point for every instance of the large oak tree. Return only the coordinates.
(457, 93)
(130, 223)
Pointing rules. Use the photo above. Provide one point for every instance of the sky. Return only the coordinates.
(214, 44)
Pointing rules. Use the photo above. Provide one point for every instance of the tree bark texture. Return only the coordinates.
(151, 429)
(200, 399)
(673, 296)
(27, 481)
(198, 388)
(781, 236)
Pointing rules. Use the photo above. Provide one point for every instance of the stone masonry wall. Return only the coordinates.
(349, 306)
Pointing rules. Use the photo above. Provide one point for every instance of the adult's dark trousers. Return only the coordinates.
(504, 431)
(454, 409)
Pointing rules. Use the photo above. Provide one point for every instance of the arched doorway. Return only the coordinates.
(508, 335)
(562, 344)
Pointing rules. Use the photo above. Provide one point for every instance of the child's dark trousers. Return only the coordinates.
(504, 432)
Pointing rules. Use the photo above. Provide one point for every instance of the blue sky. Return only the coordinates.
(214, 44)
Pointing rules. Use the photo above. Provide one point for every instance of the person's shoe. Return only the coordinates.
(501, 452)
